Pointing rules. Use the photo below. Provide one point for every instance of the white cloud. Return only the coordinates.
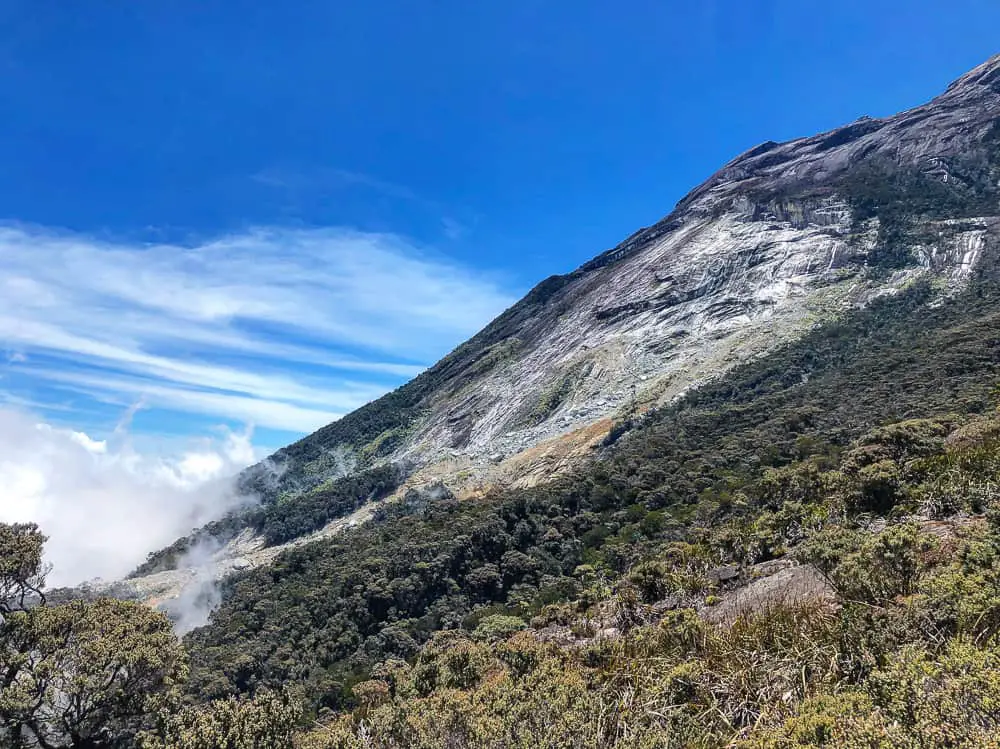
(284, 328)
(102, 504)
(118, 391)
(95, 447)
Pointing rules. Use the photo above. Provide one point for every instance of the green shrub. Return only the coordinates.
(498, 627)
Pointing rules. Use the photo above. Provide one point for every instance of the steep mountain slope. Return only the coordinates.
(801, 549)
(723, 479)
(783, 238)
(779, 238)
(792, 522)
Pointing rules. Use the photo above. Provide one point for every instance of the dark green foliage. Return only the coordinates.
(216, 532)
(309, 512)
(326, 609)
(281, 521)
(324, 614)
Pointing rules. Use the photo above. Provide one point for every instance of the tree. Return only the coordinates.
(106, 674)
(265, 722)
(86, 674)
(83, 674)
(22, 574)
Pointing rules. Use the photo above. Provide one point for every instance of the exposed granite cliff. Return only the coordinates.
(780, 239)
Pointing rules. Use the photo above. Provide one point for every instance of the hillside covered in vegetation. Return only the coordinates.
(803, 550)
(862, 434)
(629, 605)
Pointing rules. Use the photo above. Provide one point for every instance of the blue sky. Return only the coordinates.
(261, 213)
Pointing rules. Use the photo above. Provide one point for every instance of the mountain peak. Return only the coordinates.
(984, 76)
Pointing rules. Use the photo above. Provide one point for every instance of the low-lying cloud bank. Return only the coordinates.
(103, 505)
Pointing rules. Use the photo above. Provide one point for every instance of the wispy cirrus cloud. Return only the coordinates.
(299, 186)
(284, 328)
(332, 177)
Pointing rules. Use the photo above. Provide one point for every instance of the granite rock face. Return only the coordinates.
(779, 240)
(776, 241)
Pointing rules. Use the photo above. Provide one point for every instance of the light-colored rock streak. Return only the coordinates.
(717, 292)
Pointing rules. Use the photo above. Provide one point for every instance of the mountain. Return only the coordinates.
(783, 239)
(780, 238)
(733, 483)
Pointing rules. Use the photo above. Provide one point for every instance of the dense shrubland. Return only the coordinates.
(822, 453)
(902, 652)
